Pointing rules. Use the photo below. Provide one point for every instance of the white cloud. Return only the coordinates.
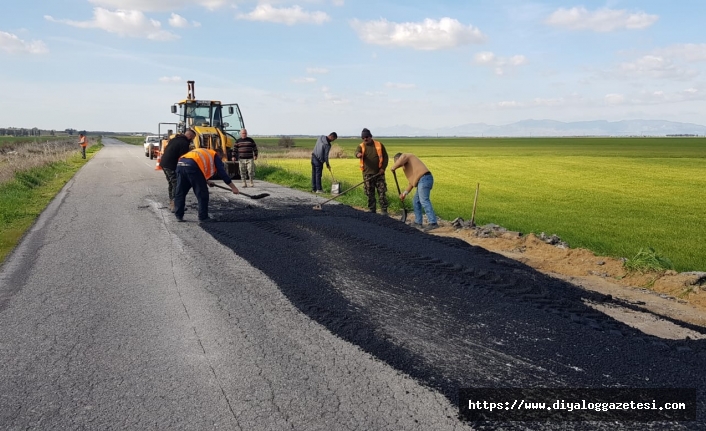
(130, 23)
(484, 57)
(653, 66)
(338, 2)
(170, 79)
(601, 20)
(316, 70)
(509, 104)
(690, 52)
(13, 44)
(517, 60)
(158, 5)
(329, 97)
(290, 16)
(426, 35)
(178, 21)
(614, 99)
(499, 64)
(305, 80)
(399, 85)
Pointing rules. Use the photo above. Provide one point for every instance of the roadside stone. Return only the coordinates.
(600, 263)
(553, 240)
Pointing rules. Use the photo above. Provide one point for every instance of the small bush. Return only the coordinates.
(286, 142)
(337, 152)
(647, 260)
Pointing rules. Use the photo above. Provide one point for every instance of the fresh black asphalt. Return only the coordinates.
(447, 313)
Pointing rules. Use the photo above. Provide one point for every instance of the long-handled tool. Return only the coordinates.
(335, 186)
(260, 196)
(318, 206)
(404, 210)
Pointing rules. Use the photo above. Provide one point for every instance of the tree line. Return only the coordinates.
(34, 131)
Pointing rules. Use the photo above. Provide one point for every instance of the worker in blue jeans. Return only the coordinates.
(420, 177)
(194, 170)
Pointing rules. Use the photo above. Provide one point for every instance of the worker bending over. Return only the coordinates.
(193, 171)
(420, 177)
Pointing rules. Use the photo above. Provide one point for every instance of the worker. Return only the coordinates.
(246, 155)
(373, 162)
(83, 142)
(319, 157)
(420, 177)
(194, 170)
(176, 147)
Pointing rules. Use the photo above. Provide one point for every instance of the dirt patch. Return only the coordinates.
(664, 296)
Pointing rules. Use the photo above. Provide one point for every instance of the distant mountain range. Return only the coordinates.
(553, 128)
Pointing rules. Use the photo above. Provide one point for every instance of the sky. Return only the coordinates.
(316, 66)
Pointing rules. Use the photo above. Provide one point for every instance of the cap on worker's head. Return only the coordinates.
(365, 134)
(333, 135)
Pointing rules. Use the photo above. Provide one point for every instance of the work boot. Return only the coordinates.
(383, 211)
(252, 184)
(171, 206)
(245, 184)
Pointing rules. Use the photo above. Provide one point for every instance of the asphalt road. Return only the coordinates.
(114, 316)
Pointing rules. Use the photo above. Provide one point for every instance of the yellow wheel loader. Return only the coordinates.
(216, 126)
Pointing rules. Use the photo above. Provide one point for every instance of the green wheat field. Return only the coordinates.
(613, 196)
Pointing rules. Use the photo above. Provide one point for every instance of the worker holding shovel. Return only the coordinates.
(194, 170)
(420, 177)
(373, 162)
(319, 157)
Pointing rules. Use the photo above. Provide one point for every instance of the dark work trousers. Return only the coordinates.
(190, 176)
(83, 151)
(172, 180)
(317, 169)
(373, 183)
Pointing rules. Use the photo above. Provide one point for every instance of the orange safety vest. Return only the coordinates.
(378, 148)
(83, 142)
(204, 158)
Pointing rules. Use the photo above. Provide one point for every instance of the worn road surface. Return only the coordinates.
(114, 316)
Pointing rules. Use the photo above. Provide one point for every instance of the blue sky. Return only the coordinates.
(314, 66)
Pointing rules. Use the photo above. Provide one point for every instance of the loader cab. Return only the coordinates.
(206, 113)
(232, 120)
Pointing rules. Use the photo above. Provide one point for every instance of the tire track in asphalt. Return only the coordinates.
(447, 313)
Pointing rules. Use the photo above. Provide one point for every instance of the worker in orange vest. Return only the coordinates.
(373, 162)
(194, 170)
(83, 142)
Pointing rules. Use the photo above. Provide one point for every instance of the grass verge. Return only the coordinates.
(611, 196)
(23, 198)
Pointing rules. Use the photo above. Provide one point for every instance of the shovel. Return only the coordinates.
(260, 196)
(335, 186)
(404, 210)
(318, 206)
